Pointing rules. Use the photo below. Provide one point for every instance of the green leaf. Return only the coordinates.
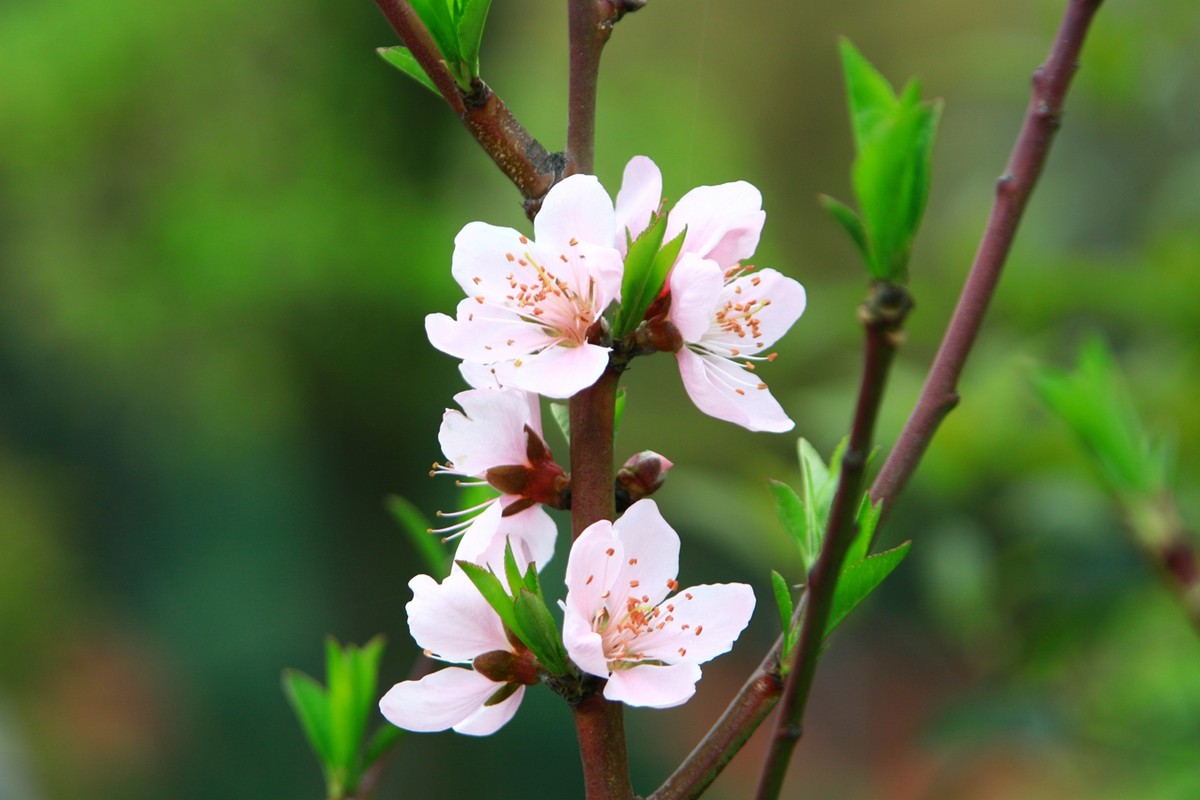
(308, 699)
(440, 18)
(783, 602)
(859, 580)
(868, 520)
(512, 572)
(638, 276)
(493, 591)
(470, 32)
(562, 415)
(871, 97)
(849, 221)
(342, 711)
(402, 59)
(539, 632)
(790, 510)
(416, 525)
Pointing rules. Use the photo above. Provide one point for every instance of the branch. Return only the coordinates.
(513, 149)
(590, 23)
(940, 393)
(883, 318)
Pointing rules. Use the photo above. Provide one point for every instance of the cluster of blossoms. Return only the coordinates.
(534, 324)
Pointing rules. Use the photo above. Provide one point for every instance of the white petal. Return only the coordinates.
(531, 532)
(485, 333)
(480, 260)
(696, 286)
(557, 372)
(592, 568)
(785, 300)
(723, 222)
(488, 432)
(438, 701)
(713, 383)
(452, 620)
(584, 645)
(489, 719)
(481, 376)
(705, 622)
(577, 207)
(653, 686)
(640, 195)
(650, 561)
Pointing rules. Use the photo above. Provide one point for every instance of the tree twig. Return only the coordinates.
(939, 396)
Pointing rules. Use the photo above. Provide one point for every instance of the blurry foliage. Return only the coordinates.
(220, 229)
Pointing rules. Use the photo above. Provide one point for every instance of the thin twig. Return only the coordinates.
(940, 393)
(590, 23)
(883, 318)
(514, 150)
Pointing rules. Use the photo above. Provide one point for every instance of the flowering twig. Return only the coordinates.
(590, 23)
(883, 318)
(939, 396)
(513, 149)
(756, 698)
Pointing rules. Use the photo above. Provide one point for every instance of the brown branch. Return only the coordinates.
(883, 319)
(590, 23)
(940, 393)
(514, 150)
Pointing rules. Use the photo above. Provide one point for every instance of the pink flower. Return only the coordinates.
(453, 623)
(530, 304)
(621, 625)
(726, 316)
(497, 440)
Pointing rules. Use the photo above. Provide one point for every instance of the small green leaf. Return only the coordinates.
(512, 572)
(783, 602)
(402, 59)
(637, 280)
(790, 510)
(870, 95)
(308, 699)
(493, 591)
(470, 31)
(416, 525)
(562, 415)
(849, 221)
(440, 19)
(540, 633)
(859, 580)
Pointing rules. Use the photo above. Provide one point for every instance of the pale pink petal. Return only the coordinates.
(592, 566)
(557, 372)
(480, 261)
(640, 195)
(531, 532)
(653, 686)
(705, 621)
(785, 301)
(584, 645)
(489, 719)
(485, 333)
(723, 222)
(650, 560)
(696, 286)
(438, 701)
(726, 390)
(488, 432)
(452, 620)
(482, 376)
(577, 207)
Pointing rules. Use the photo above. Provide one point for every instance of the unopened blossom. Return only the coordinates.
(531, 303)
(454, 623)
(727, 315)
(496, 440)
(627, 620)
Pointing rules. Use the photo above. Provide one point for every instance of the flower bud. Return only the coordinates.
(641, 476)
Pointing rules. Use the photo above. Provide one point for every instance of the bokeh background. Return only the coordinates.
(221, 226)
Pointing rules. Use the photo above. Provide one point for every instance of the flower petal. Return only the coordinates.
(640, 195)
(452, 620)
(650, 560)
(696, 286)
(592, 566)
(724, 389)
(485, 333)
(557, 372)
(705, 622)
(723, 222)
(532, 533)
(438, 701)
(584, 645)
(480, 260)
(577, 207)
(489, 719)
(653, 686)
(488, 432)
(784, 303)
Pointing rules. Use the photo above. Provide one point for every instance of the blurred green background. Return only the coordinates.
(221, 227)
